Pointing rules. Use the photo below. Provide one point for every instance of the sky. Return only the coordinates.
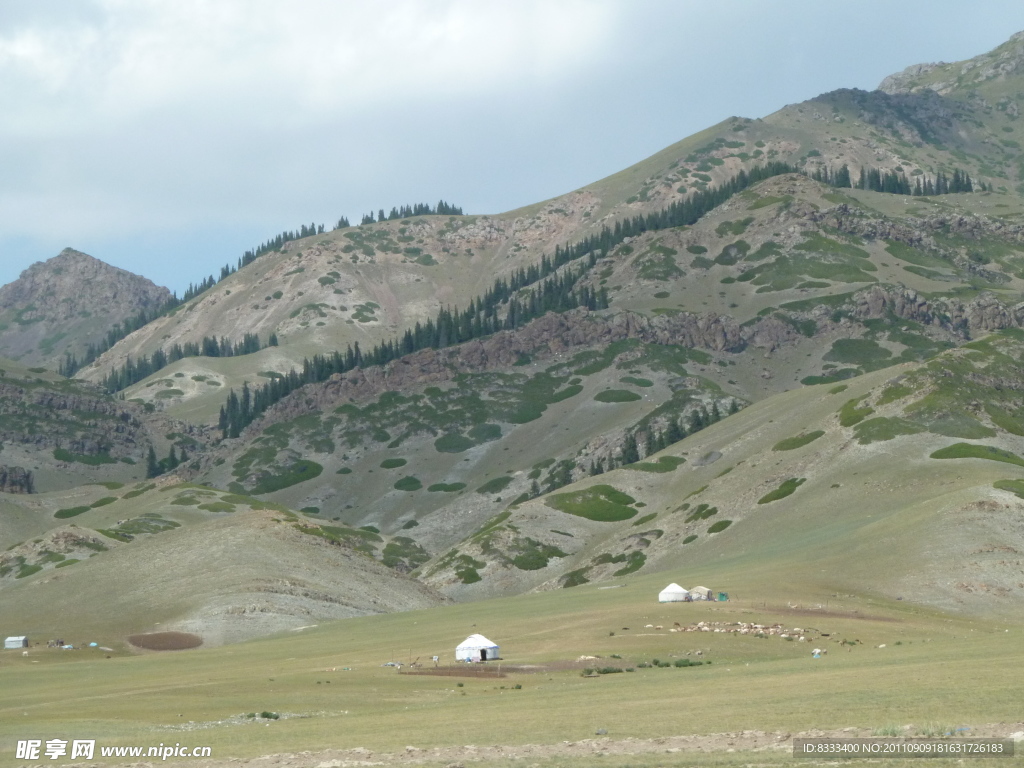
(168, 137)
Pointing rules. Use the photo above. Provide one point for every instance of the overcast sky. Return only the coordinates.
(169, 137)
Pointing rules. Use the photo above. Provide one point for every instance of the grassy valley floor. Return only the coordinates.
(889, 665)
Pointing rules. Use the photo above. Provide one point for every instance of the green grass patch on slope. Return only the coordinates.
(446, 487)
(404, 554)
(701, 512)
(636, 381)
(616, 396)
(880, 429)
(663, 464)
(634, 562)
(850, 414)
(64, 514)
(497, 485)
(658, 263)
(601, 503)
(857, 352)
(784, 490)
(1013, 486)
(1005, 420)
(135, 493)
(798, 441)
(453, 442)
(969, 451)
(408, 483)
(298, 472)
(532, 555)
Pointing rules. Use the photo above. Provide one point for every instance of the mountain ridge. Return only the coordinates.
(586, 444)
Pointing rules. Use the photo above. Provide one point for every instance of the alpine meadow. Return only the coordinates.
(778, 365)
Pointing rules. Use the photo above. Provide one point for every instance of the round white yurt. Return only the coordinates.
(700, 593)
(476, 648)
(673, 593)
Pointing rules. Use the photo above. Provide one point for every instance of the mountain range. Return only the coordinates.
(789, 346)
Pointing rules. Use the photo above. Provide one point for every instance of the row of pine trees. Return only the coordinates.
(408, 211)
(869, 179)
(898, 183)
(133, 371)
(506, 305)
(557, 293)
(155, 467)
(481, 317)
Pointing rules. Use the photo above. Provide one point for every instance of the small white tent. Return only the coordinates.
(19, 641)
(700, 593)
(673, 593)
(476, 648)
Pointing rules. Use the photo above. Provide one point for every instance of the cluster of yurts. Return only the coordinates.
(673, 593)
(479, 648)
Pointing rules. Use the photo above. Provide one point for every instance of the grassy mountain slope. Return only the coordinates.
(470, 466)
(223, 566)
(856, 486)
(365, 284)
(361, 284)
(866, 497)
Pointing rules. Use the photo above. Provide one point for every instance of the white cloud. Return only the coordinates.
(273, 62)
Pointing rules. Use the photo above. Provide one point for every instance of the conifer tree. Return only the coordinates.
(630, 451)
(152, 467)
(842, 177)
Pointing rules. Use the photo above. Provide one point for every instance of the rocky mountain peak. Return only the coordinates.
(63, 304)
(943, 78)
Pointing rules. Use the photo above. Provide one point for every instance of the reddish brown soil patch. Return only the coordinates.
(166, 641)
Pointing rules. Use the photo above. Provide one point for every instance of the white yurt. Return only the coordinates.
(673, 593)
(476, 648)
(700, 593)
(16, 641)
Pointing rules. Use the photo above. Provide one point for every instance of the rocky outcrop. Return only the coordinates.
(64, 304)
(854, 221)
(545, 338)
(903, 82)
(32, 414)
(16, 480)
(555, 335)
(965, 320)
(1003, 62)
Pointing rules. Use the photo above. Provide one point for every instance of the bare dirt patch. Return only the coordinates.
(166, 641)
(457, 671)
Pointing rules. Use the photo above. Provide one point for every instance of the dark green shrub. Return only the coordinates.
(408, 483)
(616, 396)
(784, 490)
(63, 514)
(497, 485)
(968, 451)
(792, 443)
(601, 503)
